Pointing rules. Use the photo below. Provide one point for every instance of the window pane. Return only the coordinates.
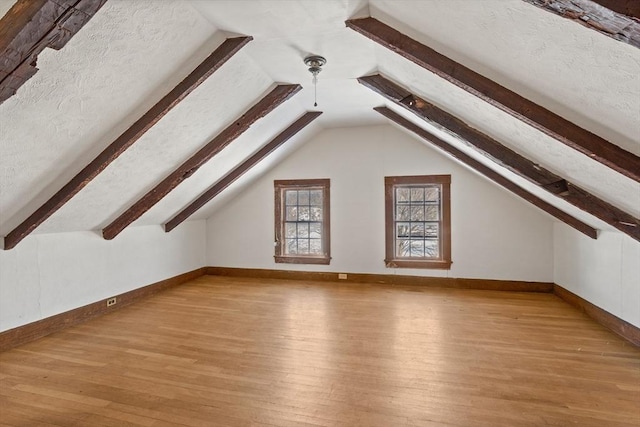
(315, 247)
(315, 230)
(292, 214)
(315, 197)
(402, 229)
(431, 248)
(417, 213)
(316, 214)
(303, 230)
(417, 248)
(402, 195)
(303, 197)
(417, 194)
(417, 229)
(291, 197)
(403, 248)
(290, 230)
(432, 212)
(290, 247)
(432, 194)
(431, 231)
(402, 213)
(303, 214)
(303, 246)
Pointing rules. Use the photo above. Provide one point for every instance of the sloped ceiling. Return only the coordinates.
(132, 53)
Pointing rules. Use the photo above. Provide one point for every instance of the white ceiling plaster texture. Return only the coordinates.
(238, 150)
(210, 108)
(132, 52)
(84, 95)
(280, 19)
(5, 5)
(260, 169)
(593, 81)
(285, 32)
(579, 76)
(513, 133)
(164, 211)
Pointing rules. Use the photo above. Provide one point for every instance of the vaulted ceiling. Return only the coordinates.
(96, 89)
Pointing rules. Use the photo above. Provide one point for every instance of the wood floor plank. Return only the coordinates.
(223, 351)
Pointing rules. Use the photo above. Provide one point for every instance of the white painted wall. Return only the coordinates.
(47, 274)
(605, 272)
(495, 234)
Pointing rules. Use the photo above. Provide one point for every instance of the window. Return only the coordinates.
(418, 221)
(302, 221)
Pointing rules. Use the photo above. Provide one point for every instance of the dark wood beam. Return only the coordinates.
(32, 25)
(267, 104)
(623, 7)
(237, 172)
(504, 156)
(617, 19)
(489, 173)
(508, 101)
(221, 55)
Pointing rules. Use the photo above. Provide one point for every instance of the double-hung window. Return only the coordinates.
(302, 221)
(418, 221)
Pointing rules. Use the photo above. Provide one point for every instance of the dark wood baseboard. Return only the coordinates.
(621, 327)
(389, 279)
(32, 331)
(38, 329)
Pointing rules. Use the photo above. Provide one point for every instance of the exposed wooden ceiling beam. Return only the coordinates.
(267, 104)
(504, 156)
(624, 7)
(237, 172)
(614, 18)
(219, 56)
(540, 118)
(489, 173)
(32, 25)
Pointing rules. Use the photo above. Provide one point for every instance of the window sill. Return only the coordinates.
(302, 260)
(435, 265)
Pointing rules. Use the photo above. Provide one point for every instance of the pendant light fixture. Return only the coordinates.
(315, 63)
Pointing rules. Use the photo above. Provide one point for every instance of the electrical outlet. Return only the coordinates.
(342, 276)
(111, 301)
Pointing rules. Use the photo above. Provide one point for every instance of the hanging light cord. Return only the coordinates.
(315, 89)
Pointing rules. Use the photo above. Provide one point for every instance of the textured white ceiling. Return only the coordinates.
(132, 52)
(84, 96)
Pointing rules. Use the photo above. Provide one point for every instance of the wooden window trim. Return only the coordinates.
(391, 261)
(280, 186)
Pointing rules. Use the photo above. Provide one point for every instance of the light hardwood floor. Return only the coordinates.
(245, 352)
